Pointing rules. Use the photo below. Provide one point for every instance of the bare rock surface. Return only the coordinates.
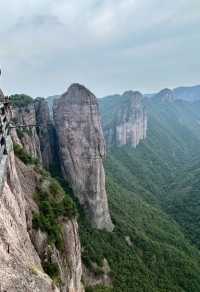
(82, 150)
(45, 131)
(20, 266)
(23, 249)
(92, 278)
(68, 260)
(125, 121)
(27, 137)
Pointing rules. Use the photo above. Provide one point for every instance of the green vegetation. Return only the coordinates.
(53, 204)
(160, 258)
(52, 269)
(21, 100)
(23, 155)
(151, 203)
(183, 201)
(22, 131)
(154, 200)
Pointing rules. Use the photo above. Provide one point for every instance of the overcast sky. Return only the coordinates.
(108, 45)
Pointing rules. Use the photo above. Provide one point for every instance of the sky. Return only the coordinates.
(109, 46)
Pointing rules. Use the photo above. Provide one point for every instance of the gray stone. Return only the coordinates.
(127, 124)
(82, 150)
(45, 131)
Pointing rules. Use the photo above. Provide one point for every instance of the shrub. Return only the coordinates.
(53, 203)
(52, 270)
(21, 100)
(20, 133)
(23, 155)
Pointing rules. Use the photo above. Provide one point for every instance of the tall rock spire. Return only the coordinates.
(82, 149)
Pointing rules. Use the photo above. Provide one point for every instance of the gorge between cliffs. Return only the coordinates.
(46, 254)
(88, 193)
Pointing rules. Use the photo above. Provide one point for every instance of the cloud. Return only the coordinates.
(109, 45)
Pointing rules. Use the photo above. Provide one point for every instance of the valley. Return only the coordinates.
(137, 226)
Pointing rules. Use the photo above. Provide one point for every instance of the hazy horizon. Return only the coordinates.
(109, 46)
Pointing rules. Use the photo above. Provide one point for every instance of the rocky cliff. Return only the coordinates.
(38, 139)
(45, 131)
(25, 250)
(124, 119)
(39, 240)
(20, 265)
(82, 150)
(26, 137)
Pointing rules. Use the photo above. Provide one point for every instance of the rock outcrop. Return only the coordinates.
(50, 101)
(165, 95)
(94, 278)
(20, 266)
(82, 150)
(126, 121)
(45, 131)
(27, 137)
(23, 249)
(38, 139)
(29, 261)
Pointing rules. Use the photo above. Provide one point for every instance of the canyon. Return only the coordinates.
(80, 212)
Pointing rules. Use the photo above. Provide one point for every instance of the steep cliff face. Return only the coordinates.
(26, 137)
(24, 250)
(66, 260)
(124, 119)
(38, 139)
(30, 257)
(82, 149)
(20, 266)
(45, 131)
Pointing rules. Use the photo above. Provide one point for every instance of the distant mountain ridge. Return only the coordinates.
(187, 93)
(191, 93)
(152, 189)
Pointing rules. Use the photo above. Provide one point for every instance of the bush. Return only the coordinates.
(20, 133)
(23, 155)
(52, 269)
(46, 221)
(21, 100)
(53, 203)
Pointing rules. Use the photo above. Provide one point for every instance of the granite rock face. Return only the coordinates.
(82, 150)
(22, 248)
(20, 266)
(26, 137)
(37, 140)
(126, 119)
(45, 131)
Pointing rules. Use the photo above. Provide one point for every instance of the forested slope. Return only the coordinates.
(150, 250)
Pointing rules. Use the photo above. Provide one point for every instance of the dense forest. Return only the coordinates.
(154, 200)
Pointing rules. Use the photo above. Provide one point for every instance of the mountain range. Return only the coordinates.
(103, 194)
(188, 93)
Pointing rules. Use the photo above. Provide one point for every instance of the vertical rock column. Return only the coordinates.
(82, 149)
(45, 131)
